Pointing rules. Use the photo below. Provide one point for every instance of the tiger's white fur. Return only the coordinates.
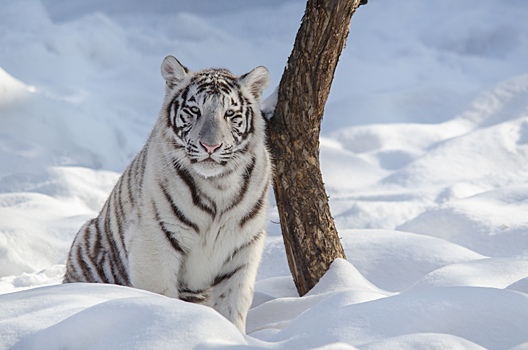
(187, 217)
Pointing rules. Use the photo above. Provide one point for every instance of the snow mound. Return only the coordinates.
(487, 317)
(95, 316)
(432, 341)
(492, 223)
(37, 227)
(395, 260)
(492, 273)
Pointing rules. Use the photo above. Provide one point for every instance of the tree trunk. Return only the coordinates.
(309, 232)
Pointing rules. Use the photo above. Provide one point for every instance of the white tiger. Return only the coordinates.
(187, 217)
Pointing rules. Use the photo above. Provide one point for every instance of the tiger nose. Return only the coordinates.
(210, 148)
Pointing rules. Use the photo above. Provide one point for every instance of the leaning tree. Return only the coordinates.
(309, 232)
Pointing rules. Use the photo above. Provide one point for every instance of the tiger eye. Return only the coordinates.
(195, 109)
(229, 113)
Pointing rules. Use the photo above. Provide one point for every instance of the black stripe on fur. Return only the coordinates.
(177, 212)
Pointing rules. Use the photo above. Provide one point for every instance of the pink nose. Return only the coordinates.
(210, 149)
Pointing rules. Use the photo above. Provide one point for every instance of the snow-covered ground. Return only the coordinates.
(424, 154)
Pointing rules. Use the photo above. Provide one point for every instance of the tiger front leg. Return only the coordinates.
(155, 264)
(233, 289)
(233, 296)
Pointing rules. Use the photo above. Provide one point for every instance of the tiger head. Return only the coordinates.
(214, 116)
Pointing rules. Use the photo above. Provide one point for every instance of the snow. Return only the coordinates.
(424, 154)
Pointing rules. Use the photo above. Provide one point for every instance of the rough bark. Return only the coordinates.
(309, 232)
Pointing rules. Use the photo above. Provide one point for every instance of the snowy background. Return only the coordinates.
(424, 154)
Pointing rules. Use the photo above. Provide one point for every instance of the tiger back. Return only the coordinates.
(187, 218)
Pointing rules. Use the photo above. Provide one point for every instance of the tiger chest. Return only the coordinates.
(210, 252)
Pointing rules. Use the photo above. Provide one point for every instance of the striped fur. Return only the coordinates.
(187, 217)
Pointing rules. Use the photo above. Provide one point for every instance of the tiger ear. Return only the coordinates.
(173, 71)
(256, 81)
